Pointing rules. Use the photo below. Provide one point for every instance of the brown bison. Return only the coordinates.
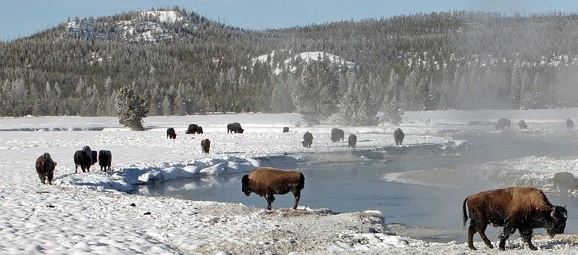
(84, 159)
(337, 135)
(194, 129)
(521, 208)
(206, 145)
(45, 168)
(522, 124)
(307, 139)
(352, 140)
(104, 160)
(398, 136)
(269, 181)
(503, 123)
(569, 124)
(234, 128)
(285, 129)
(171, 134)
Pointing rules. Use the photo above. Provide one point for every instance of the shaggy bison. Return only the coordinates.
(194, 129)
(171, 134)
(522, 124)
(503, 123)
(565, 181)
(569, 124)
(352, 140)
(307, 139)
(234, 128)
(206, 145)
(269, 181)
(285, 129)
(521, 208)
(104, 160)
(45, 168)
(398, 136)
(84, 159)
(337, 135)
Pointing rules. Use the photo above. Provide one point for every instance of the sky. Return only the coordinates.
(20, 18)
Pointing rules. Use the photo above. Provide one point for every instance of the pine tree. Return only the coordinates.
(131, 108)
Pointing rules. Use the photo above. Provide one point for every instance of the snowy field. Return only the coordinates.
(92, 213)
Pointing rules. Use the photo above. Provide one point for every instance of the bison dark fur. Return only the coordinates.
(206, 145)
(398, 136)
(522, 124)
(337, 135)
(194, 129)
(234, 128)
(83, 158)
(569, 124)
(45, 168)
(565, 181)
(352, 141)
(266, 182)
(285, 129)
(307, 140)
(171, 134)
(503, 123)
(104, 160)
(521, 208)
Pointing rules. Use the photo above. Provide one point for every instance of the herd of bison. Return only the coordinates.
(515, 208)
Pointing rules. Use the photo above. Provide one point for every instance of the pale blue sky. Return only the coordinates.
(24, 17)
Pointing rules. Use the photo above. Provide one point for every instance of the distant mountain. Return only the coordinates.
(184, 63)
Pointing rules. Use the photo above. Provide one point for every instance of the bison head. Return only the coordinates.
(245, 185)
(557, 219)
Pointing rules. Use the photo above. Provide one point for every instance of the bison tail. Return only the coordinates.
(464, 212)
(301, 181)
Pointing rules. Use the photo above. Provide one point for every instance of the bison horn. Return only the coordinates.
(553, 213)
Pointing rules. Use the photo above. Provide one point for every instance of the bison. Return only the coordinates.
(104, 160)
(269, 181)
(521, 208)
(398, 136)
(352, 140)
(503, 123)
(84, 159)
(307, 139)
(206, 145)
(522, 124)
(45, 168)
(565, 181)
(234, 128)
(171, 134)
(285, 129)
(569, 124)
(194, 129)
(337, 134)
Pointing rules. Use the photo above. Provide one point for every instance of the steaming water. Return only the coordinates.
(346, 186)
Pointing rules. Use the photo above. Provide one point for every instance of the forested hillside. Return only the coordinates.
(183, 63)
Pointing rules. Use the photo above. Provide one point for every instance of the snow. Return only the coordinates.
(306, 57)
(91, 213)
(164, 16)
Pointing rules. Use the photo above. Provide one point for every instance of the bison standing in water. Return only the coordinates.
(503, 123)
(337, 134)
(45, 168)
(84, 159)
(352, 141)
(398, 136)
(269, 181)
(307, 139)
(206, 145)
(522, 124)
(194, 129)
(569, 124)
(234, 128)
(521, 208)
(104, 160)
(171, 134)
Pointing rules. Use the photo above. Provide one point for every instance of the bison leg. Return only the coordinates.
(42, 179)
(471, 232)
(75, 168)
(527, 237)
(482, 232)
(270, 198)
(297, 195)
(508, 230)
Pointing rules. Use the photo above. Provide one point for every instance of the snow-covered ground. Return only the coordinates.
(90, 214)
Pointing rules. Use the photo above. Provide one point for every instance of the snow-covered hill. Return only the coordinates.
(302, 58)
